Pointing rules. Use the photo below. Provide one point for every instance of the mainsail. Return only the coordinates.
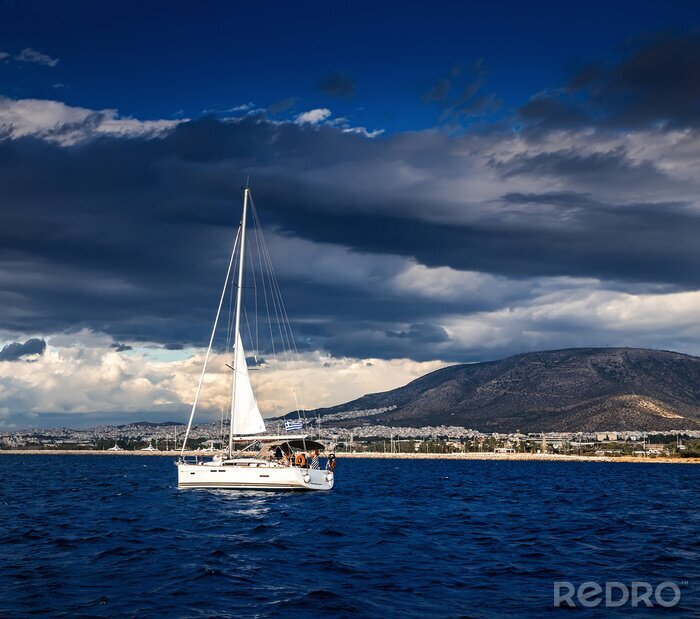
(246, 417)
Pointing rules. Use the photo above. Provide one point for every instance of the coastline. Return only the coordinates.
(505, 457)
(93, 452)
(522, 457)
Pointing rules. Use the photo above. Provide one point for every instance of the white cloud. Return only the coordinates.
(320, 380)
(244, 107)
(314, 117)
(363, 131)
(341, 123)
(55, 121)
(82, 374)
(583, 317)
(446, 283)
(36, 57)
(4, 55)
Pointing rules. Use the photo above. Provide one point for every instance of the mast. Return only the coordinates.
(239, 295)
(211, 343)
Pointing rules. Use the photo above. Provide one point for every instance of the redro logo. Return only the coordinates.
(613, 594)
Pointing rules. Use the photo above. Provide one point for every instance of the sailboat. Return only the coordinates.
(253, 460)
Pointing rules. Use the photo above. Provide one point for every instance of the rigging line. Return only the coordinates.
(261, 256)
(229, 333)
(229, 406)
(243, 306)
(284, 311)
(280, 309)
(283, 317)
(258, 237)
(276, 307)
(247, 320)
(274, 290)
(278, 313)
(267, 307)
(255, 287)
(229, 330)
(250, 335)
(211, 341)
(287, 335)
(278, 293)
(221, 425)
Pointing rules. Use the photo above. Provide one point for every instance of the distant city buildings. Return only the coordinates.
(443, 439)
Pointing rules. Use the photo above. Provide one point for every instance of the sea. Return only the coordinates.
(112, 536)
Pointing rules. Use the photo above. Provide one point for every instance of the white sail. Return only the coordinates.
(244, 409)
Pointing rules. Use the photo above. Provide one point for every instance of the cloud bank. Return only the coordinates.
(572, 221)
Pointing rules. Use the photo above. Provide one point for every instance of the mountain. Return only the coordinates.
(579, 389)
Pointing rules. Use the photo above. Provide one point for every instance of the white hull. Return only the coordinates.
(252, 474)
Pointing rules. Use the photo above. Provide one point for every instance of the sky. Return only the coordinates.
(440, 183)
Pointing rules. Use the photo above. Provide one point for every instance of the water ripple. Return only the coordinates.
(109, 536)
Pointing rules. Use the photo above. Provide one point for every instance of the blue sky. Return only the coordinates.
(438, 183)
(164, 59)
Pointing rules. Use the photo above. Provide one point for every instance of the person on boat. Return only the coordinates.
(314, 460)
(330, 464)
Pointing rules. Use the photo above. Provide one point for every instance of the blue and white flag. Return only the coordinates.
(293, 424)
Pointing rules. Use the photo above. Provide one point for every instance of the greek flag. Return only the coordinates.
(293, 424)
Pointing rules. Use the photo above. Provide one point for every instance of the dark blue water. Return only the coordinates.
(112, 536)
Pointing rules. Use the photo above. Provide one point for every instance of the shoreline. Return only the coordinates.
(521, 457)
(505, 457)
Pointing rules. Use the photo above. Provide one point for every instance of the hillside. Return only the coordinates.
(581, 389)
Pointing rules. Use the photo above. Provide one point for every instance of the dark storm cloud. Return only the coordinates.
(653, 81)
(337, 85)
(657, 81)
(606, 168)
(374, 340)
(136, 231)
(16, 351)
(130, 236)
(422, 332)
(550, 111)
(637, 243)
